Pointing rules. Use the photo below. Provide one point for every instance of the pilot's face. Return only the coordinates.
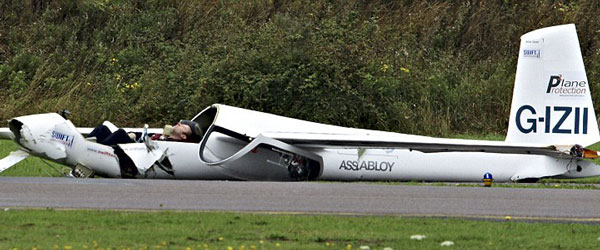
(181, 131)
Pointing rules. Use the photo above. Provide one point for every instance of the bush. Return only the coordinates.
(425, 67)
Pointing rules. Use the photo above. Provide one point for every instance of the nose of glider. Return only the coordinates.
(34, 132)
(15, 127)
(18, 128)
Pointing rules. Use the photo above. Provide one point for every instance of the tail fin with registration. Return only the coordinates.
(551, 100)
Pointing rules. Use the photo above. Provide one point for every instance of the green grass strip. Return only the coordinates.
(88, 229)
(31, 166)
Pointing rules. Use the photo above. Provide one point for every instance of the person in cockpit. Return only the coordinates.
(183, 131)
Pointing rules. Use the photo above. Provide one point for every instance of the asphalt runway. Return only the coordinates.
(302, 197)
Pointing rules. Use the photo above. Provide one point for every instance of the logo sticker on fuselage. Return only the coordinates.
(381, 166)
(63, 139)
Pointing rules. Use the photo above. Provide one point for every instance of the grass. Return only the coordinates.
(544, 183)
(85, 229)
(488, 137)
(31, 166)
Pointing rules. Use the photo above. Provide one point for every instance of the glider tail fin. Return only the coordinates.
(551, 101)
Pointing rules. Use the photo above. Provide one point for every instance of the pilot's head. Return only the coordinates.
(186, 130)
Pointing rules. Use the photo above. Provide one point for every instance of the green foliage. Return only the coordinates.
(425, 67)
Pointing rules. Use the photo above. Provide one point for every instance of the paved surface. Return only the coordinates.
(302, 197)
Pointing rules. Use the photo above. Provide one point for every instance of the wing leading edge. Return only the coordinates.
(429, 144)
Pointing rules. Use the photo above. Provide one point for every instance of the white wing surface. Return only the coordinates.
(422, 144)
(12, 159)
(5, 134)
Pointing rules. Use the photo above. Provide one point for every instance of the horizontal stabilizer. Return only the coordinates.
(12, 159)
